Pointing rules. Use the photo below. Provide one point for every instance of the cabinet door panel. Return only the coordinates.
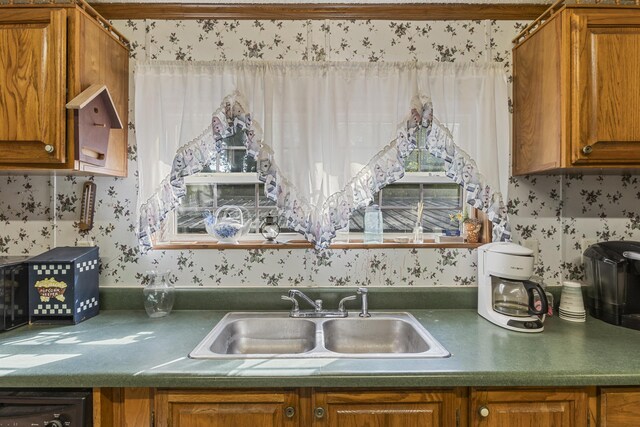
(529, 408)
(32, 85)
(226, 414)
(607, 88)
(385, 409)
(215, 408)
(620, 407)
(537, 82)
(102, 60)
(389, 415)
(534, 414)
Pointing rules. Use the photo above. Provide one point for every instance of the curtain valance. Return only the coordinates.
(327, 136)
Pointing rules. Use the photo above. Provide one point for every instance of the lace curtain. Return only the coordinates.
(327, 136)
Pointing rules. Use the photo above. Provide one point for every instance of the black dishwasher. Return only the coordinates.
(45, 408)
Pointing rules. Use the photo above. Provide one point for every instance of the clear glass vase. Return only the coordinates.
(159, 294)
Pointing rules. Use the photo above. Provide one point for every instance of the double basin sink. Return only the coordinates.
(273, 334)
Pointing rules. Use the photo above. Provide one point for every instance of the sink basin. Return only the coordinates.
(375, 335)
(265, 336)
(276, 335)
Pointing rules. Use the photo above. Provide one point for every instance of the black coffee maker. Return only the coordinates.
(612, 272)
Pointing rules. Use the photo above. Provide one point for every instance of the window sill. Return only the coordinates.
(302, 244)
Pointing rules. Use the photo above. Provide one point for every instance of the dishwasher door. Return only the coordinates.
(46, 407)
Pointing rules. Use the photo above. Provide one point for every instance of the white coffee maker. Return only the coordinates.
(506, 296)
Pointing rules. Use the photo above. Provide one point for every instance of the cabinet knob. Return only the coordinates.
(49, 148)
(289, 411)
(483, 412)
(587, 149)
(319, 412)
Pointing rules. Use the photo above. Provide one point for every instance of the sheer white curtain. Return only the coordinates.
(327, 135)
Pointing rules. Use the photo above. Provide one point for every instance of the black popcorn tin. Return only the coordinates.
(63, 285)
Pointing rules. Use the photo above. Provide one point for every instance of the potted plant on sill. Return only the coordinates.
(469, 227)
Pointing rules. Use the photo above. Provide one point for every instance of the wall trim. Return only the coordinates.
(338, 11)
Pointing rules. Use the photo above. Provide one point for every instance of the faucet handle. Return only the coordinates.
(343, 300)
(295, 308)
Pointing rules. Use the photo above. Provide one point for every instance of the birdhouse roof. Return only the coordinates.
(91, 93)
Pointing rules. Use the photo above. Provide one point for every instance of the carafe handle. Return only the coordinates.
(531, 287)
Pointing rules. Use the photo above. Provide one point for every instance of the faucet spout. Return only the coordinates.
(364, 292)
(317, 305)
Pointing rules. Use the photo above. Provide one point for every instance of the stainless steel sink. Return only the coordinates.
(373, 335)
(271, 335)
(265, 336)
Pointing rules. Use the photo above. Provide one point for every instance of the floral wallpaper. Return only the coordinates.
(39, 212)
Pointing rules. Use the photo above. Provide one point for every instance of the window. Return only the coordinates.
(231, 180)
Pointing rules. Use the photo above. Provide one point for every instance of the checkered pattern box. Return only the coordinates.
(63, 285)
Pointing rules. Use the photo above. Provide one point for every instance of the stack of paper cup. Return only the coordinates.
(571, 303)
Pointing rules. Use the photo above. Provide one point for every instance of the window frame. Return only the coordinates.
(171, 239)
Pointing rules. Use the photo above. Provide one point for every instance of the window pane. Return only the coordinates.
(235, 140)
(411, 163)
(243, 195)
(199, 198)
(263, 200)
(398, 220)
(405, 195)
(236, 160)
(237, 194)
(398, 202)
(430, 163)
(442, 196)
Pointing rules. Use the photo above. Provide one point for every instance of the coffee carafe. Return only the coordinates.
(506, 296)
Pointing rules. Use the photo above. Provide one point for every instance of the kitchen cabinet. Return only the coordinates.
(576, 92)
(280, 407)
(298, 407)
(220, 408)
(408, 408)
(544, 407)
(619, 407)
(50, 53)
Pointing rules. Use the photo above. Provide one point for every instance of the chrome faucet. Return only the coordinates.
(317, 304)
(364, 292)
(318, 311)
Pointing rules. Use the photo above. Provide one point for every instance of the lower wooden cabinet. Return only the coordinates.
(306, 407)
(620, 407)
(410, 408)
(529, 407)
(222, 408)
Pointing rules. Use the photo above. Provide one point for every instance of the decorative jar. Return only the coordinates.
(159, 294)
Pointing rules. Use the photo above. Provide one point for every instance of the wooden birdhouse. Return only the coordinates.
(94, 116)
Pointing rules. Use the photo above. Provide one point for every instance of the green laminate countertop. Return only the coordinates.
(120, 348)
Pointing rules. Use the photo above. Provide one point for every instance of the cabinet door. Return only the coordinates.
(32, 85)
(538, 127)
(605, 87)
(528, 408)
(620, 407)
(219, 408)
(385, 409)
(101, 60)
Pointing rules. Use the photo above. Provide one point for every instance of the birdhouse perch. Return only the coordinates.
(94, 116)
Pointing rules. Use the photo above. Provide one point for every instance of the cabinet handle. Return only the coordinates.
(289, 411)
(319, 412)
(49, 148)
(483, 412)
(587, 149)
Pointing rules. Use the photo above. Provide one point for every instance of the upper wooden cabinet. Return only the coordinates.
(49, 53)
(576, 90)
